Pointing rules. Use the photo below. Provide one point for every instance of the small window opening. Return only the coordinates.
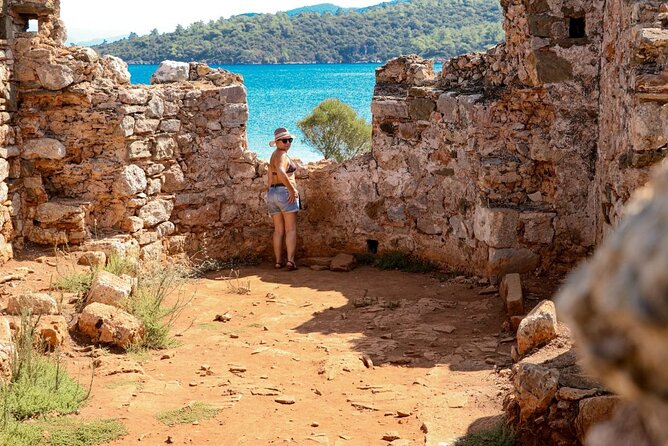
(576, 27)
(372, 246)
(33, 25)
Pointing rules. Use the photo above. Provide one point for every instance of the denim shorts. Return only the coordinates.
(277, 201)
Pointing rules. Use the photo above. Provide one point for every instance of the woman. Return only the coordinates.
(283, 198)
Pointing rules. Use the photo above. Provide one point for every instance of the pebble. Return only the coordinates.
(285, 400)
(391, 436)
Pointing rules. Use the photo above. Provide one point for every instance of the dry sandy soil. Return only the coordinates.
(436, 359)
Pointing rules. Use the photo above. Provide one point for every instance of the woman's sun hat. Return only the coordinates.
(280, 133)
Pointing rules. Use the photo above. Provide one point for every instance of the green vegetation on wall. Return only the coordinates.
(437, 29)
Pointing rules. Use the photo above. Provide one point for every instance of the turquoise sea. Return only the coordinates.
(281, 95)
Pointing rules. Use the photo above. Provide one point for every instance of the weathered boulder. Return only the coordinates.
(52, 331)
(109, 325)
(593, 411)
(538, 327)
(33, 303)
(120, 246)
(342, 262)
(116, 69)
(108, 288)
(95, 259)
(171, 71)
(535, 387)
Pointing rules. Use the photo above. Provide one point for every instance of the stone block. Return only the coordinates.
(342, 262)
(146, 125)
(170, 125)
(151, 252)
(448, 106)
(173, 179)
(593, 411)
(201, 216)
(649, 126)
(505, 261)
(383, 109)
(535, 388)
(95, 259)
(109, 325)
(34, 303)
(171, 71)
(241, 169)
(155, 212)
(5, 331)
(537, 227)
(234, 115)
(420, 109)
(109, 289)
(54, 76)
(116, 69)
(538, 327)
(132, 224)
(547, 67)
(130, 180)
(122, 246)
(52, 331)
(133, 96)
(234, 94)
(497, 227)
(139, 150)
(62, 213)
(43, 148)
(511, 292)
(165, 147)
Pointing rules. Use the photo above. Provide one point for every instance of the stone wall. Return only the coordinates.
(497, 164)
(506, 140)
(94, 155)
(633, 113)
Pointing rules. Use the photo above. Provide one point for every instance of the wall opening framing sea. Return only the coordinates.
(281, 95)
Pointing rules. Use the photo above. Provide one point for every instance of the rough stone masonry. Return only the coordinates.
(514, 160)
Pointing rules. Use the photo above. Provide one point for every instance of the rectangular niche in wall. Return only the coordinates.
(576, 27)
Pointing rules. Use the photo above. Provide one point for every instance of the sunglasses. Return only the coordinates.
(286, 140)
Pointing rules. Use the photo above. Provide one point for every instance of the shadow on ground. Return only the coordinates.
(407, 319)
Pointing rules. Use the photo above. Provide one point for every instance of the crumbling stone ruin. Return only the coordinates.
(517, 160)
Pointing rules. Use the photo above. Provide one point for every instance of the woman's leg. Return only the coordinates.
(277, 239)
(291, 234)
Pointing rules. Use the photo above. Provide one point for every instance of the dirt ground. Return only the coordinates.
(437, 359)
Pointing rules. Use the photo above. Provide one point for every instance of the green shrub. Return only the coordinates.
(147, 303)
(336, 131)
(38, 384)
(119, 265)
(78, 283)
(499, 435)
(195, 411)
(60, 432)
(404, 262)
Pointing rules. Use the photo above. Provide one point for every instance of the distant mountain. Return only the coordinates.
(93, 42)
(318, 9)
(436, 29)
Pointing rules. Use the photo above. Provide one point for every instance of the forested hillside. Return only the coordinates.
(431, 28)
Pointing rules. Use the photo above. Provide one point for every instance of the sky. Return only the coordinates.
(93, 19)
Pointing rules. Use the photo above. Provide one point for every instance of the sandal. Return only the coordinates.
(278, 265)
(291, 266)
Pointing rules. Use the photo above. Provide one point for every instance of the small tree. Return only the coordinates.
(334, 129)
